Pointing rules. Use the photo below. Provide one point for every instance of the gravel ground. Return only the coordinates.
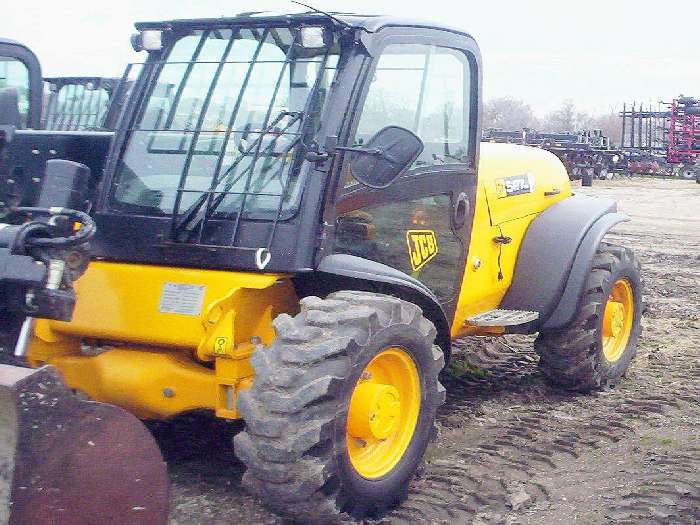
(510, 448)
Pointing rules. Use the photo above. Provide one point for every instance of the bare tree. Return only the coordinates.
(508, 113)
(512, 114)
(563, 119)
(610, 124)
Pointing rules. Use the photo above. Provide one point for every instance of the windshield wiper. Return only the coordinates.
(196, 214)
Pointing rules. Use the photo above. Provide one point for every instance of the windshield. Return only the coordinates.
(220, 130)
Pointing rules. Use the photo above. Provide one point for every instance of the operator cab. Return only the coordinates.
(244, 139)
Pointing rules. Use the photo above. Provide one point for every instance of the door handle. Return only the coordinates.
(461, 210)
(552, 193)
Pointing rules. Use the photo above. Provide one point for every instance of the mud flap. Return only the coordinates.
(67, 461)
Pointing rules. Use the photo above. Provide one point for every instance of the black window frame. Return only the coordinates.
(11, 49)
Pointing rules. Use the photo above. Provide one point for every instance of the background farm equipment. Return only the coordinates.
(82, 103)
(586, 154)
(664, 141)
(66, 103)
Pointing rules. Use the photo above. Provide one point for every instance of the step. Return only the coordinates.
(503, 318)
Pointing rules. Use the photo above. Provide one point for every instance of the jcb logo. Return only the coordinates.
(422, 246)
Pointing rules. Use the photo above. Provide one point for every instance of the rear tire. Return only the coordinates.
(579, 357)
(296, 443)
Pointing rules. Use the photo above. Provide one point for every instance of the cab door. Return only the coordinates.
(427, 82)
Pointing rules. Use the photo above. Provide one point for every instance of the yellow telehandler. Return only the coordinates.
(294, 220)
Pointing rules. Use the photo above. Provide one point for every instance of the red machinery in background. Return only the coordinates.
(663, 142)
(684, 131)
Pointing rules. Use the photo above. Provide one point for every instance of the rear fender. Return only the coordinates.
(555, 258)
(565, 310)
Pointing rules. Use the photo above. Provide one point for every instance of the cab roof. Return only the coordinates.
(369, 23)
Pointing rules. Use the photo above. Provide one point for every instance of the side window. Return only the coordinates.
(14, 74)
(425, 89)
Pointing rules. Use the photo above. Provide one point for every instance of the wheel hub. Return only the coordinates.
(374, 411)
(383, 412)
(614, 318)
(618, 319)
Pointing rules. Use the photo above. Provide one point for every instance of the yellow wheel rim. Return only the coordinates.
(383, 413)
(617, 320)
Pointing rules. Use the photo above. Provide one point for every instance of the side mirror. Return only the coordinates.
(384, 157)
(9, 108)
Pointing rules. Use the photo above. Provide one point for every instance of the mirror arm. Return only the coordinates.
(358, 149)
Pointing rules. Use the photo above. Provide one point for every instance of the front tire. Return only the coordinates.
(342, 407)
(598, 347)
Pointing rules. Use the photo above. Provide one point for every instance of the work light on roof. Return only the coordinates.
(147, 40)
(313, 37)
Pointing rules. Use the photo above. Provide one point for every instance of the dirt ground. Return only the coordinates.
(512, 449)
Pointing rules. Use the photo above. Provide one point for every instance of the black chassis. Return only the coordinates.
(11, 48)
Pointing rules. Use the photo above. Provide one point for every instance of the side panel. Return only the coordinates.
(489, 269)
(520, 180)
(515, 185)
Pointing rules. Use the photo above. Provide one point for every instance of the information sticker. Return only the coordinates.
(184, 299)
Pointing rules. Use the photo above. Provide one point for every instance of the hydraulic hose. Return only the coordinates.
(85, 233)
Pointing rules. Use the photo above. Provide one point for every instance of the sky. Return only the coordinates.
(598, 53)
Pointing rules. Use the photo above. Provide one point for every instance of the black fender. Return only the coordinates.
(555, 259)
(342, 272)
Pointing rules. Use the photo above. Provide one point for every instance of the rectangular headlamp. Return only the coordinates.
(314, 37)
(147, 40)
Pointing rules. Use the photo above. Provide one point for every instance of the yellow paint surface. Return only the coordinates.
(496, 215)
(126, 344)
